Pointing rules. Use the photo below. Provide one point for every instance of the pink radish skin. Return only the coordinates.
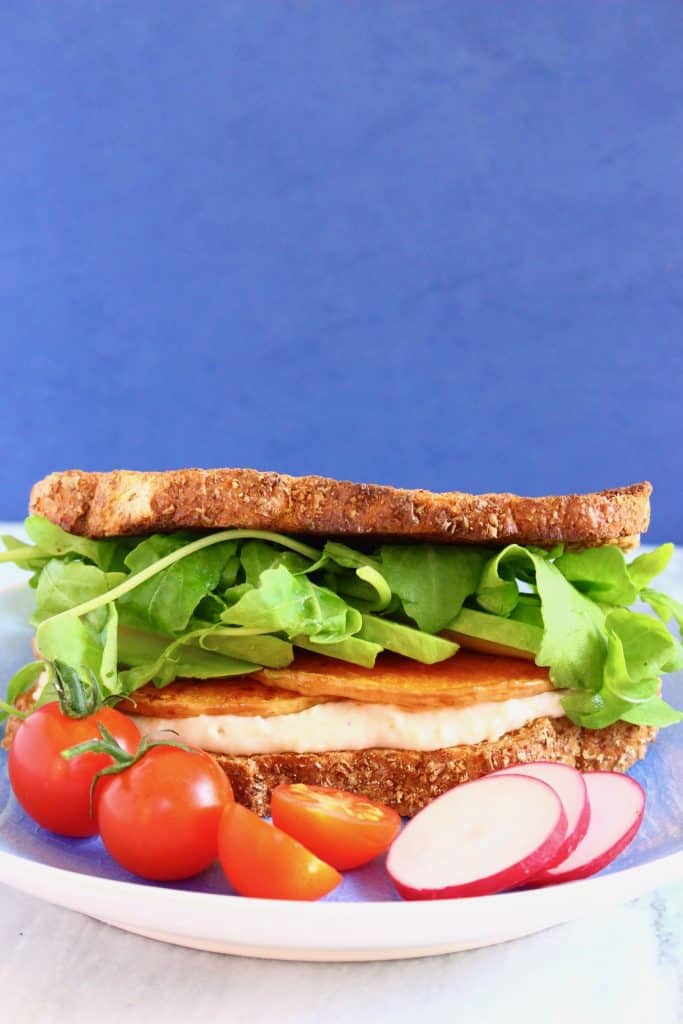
(480, 838)
(617, 805)
(569, 785)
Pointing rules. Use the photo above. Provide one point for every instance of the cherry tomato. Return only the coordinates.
(341, 828)
(55, 792)
(260, 860)
(159, 817)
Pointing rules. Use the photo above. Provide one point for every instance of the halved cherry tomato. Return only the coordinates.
(342, 828)
(159, 817)
(53, 791)
(260, 860)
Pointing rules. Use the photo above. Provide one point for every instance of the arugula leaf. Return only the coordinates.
(256, 556)
(368, 586)
(63, 585)
(20, 683)
(155, 659)
(431, 580)
(166, 602)
(55, 542)
(295, 606)
(88, 642)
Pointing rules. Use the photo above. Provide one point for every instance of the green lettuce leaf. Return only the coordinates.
(432, 581)
(663, 606)
(645, 567)
(600, 573)
(498, 592)
(653, 712)
(649, 648)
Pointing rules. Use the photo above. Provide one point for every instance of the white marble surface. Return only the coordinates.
(623, 966)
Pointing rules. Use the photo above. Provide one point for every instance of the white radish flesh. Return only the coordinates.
(617, 804)
(479, 838)
(569, 785)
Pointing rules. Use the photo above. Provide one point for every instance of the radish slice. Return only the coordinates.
(617, 804)
(569, 785)
(479, 838)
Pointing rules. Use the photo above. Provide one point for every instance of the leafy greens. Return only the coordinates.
(138, 610)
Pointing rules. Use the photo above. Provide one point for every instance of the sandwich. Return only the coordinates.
(389, 642)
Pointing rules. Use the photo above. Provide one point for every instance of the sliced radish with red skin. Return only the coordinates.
(480, 838)
(569, 785)
(617, 805)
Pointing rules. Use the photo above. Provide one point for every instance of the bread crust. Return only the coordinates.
(127, 502)
(408, 779)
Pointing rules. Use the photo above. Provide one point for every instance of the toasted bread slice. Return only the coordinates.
(127, 502)
(408, 779)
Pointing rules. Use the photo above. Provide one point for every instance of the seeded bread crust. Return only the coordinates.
(128, 502)
(408, 779)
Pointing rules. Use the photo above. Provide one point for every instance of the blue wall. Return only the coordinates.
(421, 243)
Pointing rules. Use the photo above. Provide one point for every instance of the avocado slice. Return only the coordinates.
(406, 640)
(492, 634)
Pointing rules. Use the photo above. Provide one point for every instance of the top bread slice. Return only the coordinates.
(125, 502)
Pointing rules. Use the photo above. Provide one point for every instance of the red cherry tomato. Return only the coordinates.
(260, 860)
(159, 817)
(55, 791)
(341, 828)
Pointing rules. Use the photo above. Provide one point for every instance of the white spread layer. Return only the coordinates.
(352, 725)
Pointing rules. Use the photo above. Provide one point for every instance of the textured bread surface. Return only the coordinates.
(128, 502)
(408, 779)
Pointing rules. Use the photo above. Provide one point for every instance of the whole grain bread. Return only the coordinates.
(129, 502)
(408, 779)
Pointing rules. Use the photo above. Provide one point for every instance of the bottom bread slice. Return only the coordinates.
(408, 779)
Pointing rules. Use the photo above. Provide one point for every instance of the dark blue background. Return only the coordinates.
(421, 243)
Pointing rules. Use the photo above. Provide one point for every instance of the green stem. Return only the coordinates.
(23, 554)
(189, 549)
